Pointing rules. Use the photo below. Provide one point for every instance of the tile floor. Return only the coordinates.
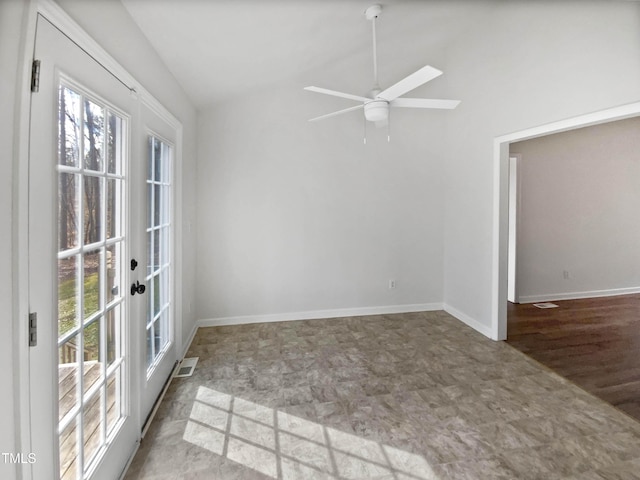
(405, 397)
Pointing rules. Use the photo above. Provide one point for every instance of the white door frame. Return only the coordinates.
(20, 235)
(499, 284)
(57, 16)
(514, 218)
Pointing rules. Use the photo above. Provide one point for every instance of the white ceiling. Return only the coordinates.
(219, 49)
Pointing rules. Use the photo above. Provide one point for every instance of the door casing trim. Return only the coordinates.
(501, 199)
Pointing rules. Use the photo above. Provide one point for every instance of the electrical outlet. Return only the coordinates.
(392, 284)
(565, 274)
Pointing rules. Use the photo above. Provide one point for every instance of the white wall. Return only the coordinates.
(109, 23)
(579, 212)
(296, 216)
(529, 64)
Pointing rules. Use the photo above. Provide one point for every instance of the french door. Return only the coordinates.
(158, 147)
(99, 197)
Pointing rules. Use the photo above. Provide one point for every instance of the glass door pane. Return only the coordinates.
(158, 247)
(91, 272)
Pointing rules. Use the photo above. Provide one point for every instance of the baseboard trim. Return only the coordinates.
(578, 295)
(318, 314)
(471, 322)
(187, 344)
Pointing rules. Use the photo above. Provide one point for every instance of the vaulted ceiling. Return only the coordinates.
(220, 49)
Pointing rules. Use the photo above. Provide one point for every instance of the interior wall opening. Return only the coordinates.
(568, 294)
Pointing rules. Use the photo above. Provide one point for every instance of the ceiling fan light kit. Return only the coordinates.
(376, 105)
(376, 110)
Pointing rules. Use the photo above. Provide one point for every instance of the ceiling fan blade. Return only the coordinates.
(407, 84)
(424, 103)
(337, 94)
(339, 112)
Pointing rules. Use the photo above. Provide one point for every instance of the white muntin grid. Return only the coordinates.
(107, 245)
(158, 231)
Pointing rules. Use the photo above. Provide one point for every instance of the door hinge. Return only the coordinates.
(35, 76)
(33, 329)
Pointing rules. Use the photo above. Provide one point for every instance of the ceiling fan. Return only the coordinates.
(376, 105)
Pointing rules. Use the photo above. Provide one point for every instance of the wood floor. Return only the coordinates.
(595, 343)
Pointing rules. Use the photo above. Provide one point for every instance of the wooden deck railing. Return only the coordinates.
(92, 415)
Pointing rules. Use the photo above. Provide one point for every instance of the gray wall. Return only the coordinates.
(579, 212)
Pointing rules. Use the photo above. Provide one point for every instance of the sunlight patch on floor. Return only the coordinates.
(283, 446)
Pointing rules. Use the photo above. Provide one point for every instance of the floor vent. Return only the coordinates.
(545, 305)
(187, 366)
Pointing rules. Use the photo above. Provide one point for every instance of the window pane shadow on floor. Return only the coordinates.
(281, 445)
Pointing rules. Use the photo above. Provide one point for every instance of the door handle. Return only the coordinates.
(134, 264)
(138, 288)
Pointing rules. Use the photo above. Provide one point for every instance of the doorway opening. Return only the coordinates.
(580, 265)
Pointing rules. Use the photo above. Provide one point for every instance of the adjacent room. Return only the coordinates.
(274, 239)
(576, 257)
